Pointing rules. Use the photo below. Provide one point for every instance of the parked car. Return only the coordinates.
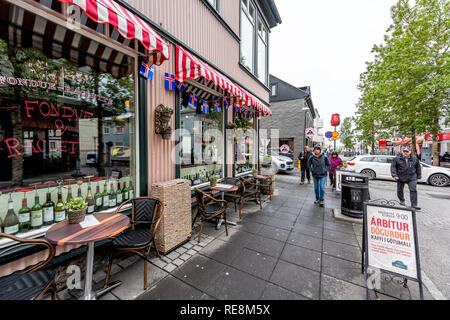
(379, 167)
(279, 163)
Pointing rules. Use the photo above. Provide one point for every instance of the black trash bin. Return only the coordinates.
(355, 191)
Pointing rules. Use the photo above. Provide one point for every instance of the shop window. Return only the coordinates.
(56, 111)
(200, 146)
(244, 144)
(214, 4)
(262, 52)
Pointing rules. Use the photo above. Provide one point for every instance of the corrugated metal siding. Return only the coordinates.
(192, 23)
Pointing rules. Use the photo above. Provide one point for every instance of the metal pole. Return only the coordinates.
(88, 294)
(334, 140)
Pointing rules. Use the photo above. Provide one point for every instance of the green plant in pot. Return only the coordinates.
(76, 210)
(166, 114)
(255, 172)
(213, 180)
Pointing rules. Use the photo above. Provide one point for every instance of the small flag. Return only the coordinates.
(193, 99)
(245, 115)
(205, 107)
(226, 102)
(146, 70)
(251, 115)
(180, 86)
(217, 107)
(237, 108)
(170, 82)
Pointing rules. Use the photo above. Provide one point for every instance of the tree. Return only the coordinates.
(406, 86)
(347, 137)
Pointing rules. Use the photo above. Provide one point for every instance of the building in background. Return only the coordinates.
(292, 112)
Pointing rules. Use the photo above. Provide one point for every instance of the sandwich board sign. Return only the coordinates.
(390, 241)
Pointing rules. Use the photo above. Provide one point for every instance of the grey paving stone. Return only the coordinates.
(342, 251)
(343, 269)
(173, 255)
(99, 276)
(308, 230)
(199, 272)
(133, 280)
(302, 240)
(276, 222)
(115, 269)
(301, 256)
(170, 267)
(125, 263)
(171, 288)
(178, 262)
(249, 226)
(300, 280)
(160, 263)
(221, 251)
(191, 252)
(274, 233)
(339, 236)
(181, 250)
(232, 284)
(185, 256)
(108, 296)
(338, 226)
(64, 295)
(274, 292)
(310, 221)
(264, 245)
(254, 263)
(335, 289)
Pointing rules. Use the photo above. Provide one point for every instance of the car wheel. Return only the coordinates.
(439, 180)
(369, 173)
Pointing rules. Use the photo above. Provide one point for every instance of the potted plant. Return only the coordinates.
(76, 210)
(255, 172)
(213, 180)
(165, 114)
(165, 131)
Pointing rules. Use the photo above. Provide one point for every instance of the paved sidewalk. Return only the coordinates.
(290, 250)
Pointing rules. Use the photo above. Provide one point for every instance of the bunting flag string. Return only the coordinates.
(226, 102)
(205, 107)
(170, 81)
(217, 107)
(181, 86)
(145, 70)
(193, 99)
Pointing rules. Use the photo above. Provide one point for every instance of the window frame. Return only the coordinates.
(257, 20)
(274, 86)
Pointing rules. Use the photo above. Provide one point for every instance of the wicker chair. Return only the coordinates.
(140, 237)
(251, 190)
(35, 281)
(238, 196)
(213, 209)
(265, 186)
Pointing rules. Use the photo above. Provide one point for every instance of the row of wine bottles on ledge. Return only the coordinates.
(49, 212)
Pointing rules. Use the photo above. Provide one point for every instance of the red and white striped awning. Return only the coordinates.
(190, 67)
(127, 24)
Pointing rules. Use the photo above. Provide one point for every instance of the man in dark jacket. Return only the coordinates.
(304, 157)
(319, 166)
(406, 169)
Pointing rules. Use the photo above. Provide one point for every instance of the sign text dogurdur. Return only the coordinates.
(391, 240)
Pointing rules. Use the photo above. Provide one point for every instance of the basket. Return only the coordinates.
(176, 224)
(76, 216)
(213, 183)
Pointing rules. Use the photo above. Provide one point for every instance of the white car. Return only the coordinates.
(278, 162)
(379, 166)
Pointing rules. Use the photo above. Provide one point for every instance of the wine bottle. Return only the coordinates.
(24, 215)
(49, 206)
(60, 208)
(125, 192)
(90, 200)
(11, 221)
(69, 193)
(112, 196)
(79, 195)
(119, 194)
(98, 198)
(105, 196)
(131, 190)
(36, 213)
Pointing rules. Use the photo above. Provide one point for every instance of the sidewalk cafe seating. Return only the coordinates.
(238, 196)
(140, 237)
(213, 209)
(34, 282)
(265, 187)
(252, 190)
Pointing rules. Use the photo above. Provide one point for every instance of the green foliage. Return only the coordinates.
(346, 133)
(405, 89)
(243, 123)
(213, 178)
(76, 204)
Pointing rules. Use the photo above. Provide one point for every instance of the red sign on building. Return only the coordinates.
(335, 120)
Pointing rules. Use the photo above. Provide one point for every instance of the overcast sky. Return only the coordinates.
(324, 44)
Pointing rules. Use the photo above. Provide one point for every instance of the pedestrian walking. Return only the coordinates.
(304, 157)
(406, 169)
(319, 166)
(336, 163)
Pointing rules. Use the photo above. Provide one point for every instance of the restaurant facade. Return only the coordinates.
(86, 92)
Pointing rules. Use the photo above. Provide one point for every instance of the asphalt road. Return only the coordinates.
(433, 223)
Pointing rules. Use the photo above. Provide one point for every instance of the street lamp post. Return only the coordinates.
(304, 131)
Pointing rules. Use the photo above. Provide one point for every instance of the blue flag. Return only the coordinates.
(146, 70)
(193, 99)
(217, 107)
(205, 107)
(170, 82)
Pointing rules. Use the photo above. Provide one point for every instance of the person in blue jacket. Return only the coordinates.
(319, 165)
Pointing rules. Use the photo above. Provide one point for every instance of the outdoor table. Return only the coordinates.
(64, 233)
(224, 188)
